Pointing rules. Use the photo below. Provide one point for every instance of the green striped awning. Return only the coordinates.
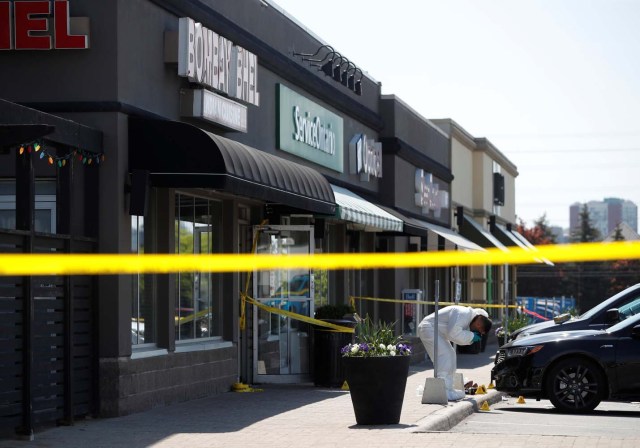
(352, 207)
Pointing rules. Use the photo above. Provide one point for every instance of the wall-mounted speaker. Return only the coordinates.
(498, 189)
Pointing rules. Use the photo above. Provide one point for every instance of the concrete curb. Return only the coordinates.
(446, 418)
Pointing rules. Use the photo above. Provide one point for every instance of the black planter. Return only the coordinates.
(377, 388)
(327, 366)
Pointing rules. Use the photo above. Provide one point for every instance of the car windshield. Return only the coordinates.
(631, 321)
(609, 303)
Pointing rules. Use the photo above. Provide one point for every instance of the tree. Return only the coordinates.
(585, 232)
(591, 287)
(540, 280)
(539, 234)
(624, 273)
(618, 236)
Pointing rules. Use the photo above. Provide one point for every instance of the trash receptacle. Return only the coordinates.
(327, 367)
(471, 349)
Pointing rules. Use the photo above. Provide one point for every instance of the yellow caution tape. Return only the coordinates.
(110, 264)
(241, 387)
(302, 317)
(421, 302)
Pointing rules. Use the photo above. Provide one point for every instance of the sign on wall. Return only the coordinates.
(428, 195)
(206, 105)
(365, 157)
(211, 60)
(26, 25)
(309, 130)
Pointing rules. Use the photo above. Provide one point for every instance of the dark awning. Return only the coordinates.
(418, 227)
(505, 237)
(473, 231)
(528, 245)
(178, 154)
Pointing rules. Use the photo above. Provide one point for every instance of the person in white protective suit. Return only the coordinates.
(461, 325)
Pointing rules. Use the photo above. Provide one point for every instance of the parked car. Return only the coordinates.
(600, 316)
(577, 369)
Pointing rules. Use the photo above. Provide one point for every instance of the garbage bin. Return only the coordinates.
(327, 367)
(471, 349)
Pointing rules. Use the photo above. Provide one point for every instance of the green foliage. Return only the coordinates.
(376, 339)
(585, 232)
(618, 236)
(519, 321)
(333, 311)
(380, 333)
(321, 286)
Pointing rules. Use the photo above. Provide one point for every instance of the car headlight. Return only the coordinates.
(523, 351)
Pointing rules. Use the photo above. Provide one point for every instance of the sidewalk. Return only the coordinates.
(277, 416)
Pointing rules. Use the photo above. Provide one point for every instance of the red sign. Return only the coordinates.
(28, 25)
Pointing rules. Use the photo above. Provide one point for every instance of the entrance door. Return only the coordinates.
(281, 344)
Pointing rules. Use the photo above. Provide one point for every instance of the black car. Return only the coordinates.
(576, 370)
(600, 316)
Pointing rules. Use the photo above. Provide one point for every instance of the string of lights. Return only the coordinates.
(81, 155)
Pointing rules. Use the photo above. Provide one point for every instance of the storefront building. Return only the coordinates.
(162, 126)
(483, 210)
(417, 189)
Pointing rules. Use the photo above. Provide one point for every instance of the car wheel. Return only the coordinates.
(576, 385)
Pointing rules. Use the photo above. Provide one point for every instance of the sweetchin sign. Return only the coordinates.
(24, 25)
(308, 130)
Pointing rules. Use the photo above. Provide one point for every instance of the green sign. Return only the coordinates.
(308, 130)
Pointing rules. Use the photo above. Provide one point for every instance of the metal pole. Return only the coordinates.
(506, 303)
(435, 332)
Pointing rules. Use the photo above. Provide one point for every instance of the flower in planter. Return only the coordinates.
(376, 340)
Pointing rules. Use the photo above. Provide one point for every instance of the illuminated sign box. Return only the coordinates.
(206, 105)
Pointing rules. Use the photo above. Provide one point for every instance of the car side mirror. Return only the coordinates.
(612, 316)
(635, 332)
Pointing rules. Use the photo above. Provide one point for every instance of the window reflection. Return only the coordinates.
(197, 296)
(45, 205)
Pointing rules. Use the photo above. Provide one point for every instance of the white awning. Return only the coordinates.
(352, 207)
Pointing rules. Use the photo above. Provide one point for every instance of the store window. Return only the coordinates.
(45, 205)
(198, 294)
(143, 308)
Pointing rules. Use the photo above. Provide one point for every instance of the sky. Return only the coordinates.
(553, 84)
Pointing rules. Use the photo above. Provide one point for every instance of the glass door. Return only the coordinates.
(281, 343)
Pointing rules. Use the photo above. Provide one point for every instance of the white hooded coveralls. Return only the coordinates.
(453, 326)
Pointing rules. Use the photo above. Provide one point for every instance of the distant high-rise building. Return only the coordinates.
(606, 215)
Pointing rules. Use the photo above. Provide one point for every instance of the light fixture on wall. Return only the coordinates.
(337, 69)
(344, 80)
(335, 65)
